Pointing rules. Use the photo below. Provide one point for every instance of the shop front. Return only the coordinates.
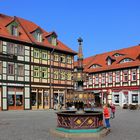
(126, 97)
(58, 99)
(15, 98)
(39, 98)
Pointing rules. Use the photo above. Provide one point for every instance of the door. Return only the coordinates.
(46, 100)
(34, 100)
(15, 99)
(55, 100)
(40, 100)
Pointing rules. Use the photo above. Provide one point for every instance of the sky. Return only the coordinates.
(104, 25)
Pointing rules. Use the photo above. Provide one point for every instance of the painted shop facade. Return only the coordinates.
(35, 67)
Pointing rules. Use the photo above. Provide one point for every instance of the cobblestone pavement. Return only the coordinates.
(35, 125)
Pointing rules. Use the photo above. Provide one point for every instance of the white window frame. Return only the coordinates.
(44, 72)
(103, 78)
(14, 30)
(96, 79)
(20, 70)
(117, 76)
(110, 78)
(36, 53)
(10, 48)
(11, 69)
(125, 73)
(20, 50)
(36, 72)
(133, 74)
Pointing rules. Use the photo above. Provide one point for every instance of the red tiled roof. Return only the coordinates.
(26, 28)
(100, 59)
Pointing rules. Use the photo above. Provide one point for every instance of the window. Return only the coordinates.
(39, 37)
(36, 53)
(134, 75)
(125, 76)
(69, 61)
(117, 54)
(103, 78)
(20, 50)
(11, 69)
(90, 80)
(44, 55)
(69, 76)
(44, 72)
(134, 98)
(96, 79)
(36, 71)
(116, 98)
(0, 67)
(10, 48)
(110, 78)
(54, 41)
(20, 70)
(95, 66)
(0, 46)
(14, 30)
(62, 59)
(126, 60)
(109, 61)
(56, 74)
(56, 57)
(62, 75)
(117, 77)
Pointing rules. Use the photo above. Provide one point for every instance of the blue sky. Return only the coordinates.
(104, 25)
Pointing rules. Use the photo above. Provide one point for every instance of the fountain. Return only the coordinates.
(79, 123)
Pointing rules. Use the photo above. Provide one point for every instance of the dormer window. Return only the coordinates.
(126, 60)
(117, 54)
(14, 30)
(53, 42)
(52, 38)
(95, 66)
(109, 62)
(38, 35)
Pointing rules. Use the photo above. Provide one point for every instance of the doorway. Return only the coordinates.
(15, 99)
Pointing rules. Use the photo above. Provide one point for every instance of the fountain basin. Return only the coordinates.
(88, 122)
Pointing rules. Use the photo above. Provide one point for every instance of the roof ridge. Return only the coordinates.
(114, 51)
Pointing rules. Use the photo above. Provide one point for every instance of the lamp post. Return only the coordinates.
(51, 78)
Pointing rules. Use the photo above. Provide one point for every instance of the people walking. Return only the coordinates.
(113, 110)
(106, 116)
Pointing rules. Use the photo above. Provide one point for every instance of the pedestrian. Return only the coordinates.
(113, 110)
(106, 116)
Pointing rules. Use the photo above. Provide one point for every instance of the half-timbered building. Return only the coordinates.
(35, 67)
(114, 76)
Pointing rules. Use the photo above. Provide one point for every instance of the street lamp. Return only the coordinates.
(51, 76)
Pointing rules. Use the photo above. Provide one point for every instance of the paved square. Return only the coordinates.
(35, 125)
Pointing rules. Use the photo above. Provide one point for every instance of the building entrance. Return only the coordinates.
(40, 99)
(15, 99)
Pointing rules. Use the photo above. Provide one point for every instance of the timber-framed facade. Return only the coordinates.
(114, 76)
(35, 67)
